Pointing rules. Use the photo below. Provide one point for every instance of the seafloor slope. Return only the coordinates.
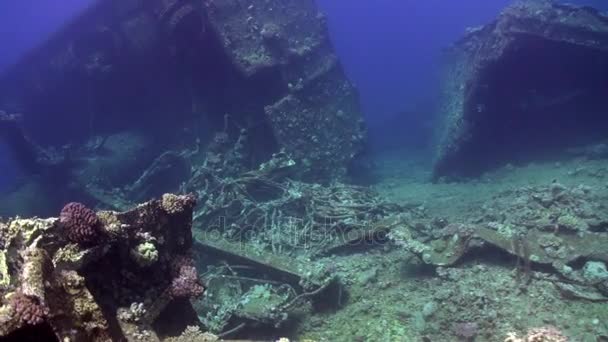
(533, 274)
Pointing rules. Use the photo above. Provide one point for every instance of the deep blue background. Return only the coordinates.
(27, 23)
(7, 169)
(390, 48)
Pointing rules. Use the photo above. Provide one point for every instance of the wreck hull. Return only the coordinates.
(523, 87)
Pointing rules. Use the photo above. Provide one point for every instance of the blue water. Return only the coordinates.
(8, 170)
(25, 24)
(391, 48)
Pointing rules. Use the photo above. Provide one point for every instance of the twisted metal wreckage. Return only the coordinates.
(262, 271)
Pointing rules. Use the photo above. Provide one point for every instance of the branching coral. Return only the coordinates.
(28, 309)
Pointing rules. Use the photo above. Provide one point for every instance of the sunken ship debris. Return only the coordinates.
(526, 85)
(265, 71)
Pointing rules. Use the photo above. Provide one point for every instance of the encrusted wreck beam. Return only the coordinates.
(531, 82)
(356, 238)
(319, 123)
(291, 269)
(316, 117)
(541, 247)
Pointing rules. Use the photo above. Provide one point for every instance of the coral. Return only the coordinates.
(84, 307)
(544, 334)
(28, 309)
(194, 334)
(134, 314)
(173, 204)
(37, 266)
(466, 330)
(80, 224)
(70, 254)
(145, 254)
(110, 222)
(595, 271)
(185, 283)
(5, 277)
(25, 229)
(571, 222)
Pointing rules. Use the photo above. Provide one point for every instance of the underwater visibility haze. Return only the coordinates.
(300, 170)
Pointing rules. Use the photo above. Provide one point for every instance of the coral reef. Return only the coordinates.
(145, 254)
(101, 291)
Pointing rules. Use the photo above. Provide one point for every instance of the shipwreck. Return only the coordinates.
(523, 87)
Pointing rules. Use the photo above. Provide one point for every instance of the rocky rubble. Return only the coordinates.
(557, 228)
